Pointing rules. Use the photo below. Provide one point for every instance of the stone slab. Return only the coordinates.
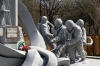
(9, 52)
(63, 62)
(52, 60)
(6, 61)
(33, 58)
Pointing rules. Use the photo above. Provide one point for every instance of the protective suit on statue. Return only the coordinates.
(76, 41)
(80, 22)
(44, 29)
(59, 34)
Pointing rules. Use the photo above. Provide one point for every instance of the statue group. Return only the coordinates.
(65, 40)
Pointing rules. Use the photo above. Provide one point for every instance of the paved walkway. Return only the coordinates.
(88, 62)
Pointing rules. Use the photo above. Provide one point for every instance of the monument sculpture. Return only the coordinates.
(10, 56)
(44, 29)
(80, 22)
(75, 42)
(14, 51)
(59, 36)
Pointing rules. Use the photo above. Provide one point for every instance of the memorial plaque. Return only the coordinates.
(12, 33)
(1, 31)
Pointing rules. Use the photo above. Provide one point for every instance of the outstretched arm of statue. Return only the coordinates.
(50, 24)
(46, 32)
(56, 39)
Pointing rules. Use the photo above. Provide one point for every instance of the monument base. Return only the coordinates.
(63, 62)
(6, 61)
(12, 45)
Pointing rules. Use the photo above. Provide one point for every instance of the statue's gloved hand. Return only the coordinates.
(68, 43)
(53, 40)
(50, 36)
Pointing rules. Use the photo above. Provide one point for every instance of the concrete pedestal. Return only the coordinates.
(63, 62)
(6, 61)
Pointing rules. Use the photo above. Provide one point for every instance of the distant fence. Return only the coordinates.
(92, 50)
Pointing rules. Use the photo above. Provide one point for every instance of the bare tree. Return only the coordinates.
(91, 9)
(88, 10)
(34, 8)
(51, 8)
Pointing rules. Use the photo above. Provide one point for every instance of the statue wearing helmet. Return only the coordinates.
(44, 29)
(76, 42)
(59, 34)
(80, 22)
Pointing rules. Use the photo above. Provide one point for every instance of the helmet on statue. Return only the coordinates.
(80, 22)
(58, 22)
(44, 19)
